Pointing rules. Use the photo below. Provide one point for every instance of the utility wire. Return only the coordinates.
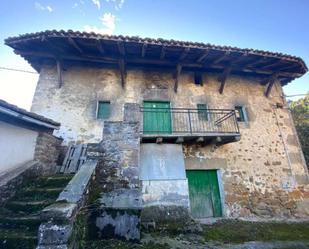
(17, 70)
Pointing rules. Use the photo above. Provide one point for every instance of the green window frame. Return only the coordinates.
(202, 112)
(240, 113)
(103, 110)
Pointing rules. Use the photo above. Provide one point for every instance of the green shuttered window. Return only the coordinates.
(202, 112)
(103, 110)
(240, 113)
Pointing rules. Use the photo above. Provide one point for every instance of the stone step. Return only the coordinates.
(37, 194)
(57, 181)
(23, 222)
(28, 207)
(17, 239)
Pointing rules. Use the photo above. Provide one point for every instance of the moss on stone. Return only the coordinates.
(119, 244)
(235, 231)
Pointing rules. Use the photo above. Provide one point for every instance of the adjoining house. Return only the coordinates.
(195, 127)
(26, 144)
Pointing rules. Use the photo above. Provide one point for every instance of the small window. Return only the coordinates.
(103, 110)
(202, 112)
(240, 113)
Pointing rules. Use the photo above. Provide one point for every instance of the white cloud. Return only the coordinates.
(39, 6)
(117, 3)
(108, 21)
(97, 3)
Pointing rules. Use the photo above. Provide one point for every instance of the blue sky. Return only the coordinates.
(275, 25)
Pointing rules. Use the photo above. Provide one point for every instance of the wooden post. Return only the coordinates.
(122, 68)
(223, 77)
(271, 82)
(178, 71)
(59, 73)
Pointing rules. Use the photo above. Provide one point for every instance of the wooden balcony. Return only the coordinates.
(180, 125)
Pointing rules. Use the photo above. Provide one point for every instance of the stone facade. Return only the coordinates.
(263, 174)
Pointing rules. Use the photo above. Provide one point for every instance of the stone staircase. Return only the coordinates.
(20, 216)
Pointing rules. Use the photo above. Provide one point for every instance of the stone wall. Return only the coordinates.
(263, 174)
(47, 150)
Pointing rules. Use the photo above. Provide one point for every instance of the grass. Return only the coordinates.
(235, 231)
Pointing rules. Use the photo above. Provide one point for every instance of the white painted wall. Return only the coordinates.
(17, 146)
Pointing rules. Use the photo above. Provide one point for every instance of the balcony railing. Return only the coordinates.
(180, 121)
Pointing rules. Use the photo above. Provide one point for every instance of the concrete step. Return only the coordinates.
(28, 207)
(17, 239)
(23, 222)
(57, 181)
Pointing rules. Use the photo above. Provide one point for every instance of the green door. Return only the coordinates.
(157, 117)
(204, 193)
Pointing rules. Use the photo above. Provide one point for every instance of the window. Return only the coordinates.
(202, 112)
(240, 113)
(103, 111)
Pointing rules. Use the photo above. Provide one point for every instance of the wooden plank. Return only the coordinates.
(123, 73)
(222, 78)
(121, 48)
(59, 73)
(66, 160)
(177, 74)
(74, 44)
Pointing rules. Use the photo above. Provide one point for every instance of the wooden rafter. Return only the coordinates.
(287, 67)
(276, 63)
(203, 56)
(144, 48)
(240, 58)
(74, 44)
(271, 82)
(184, 53)
(138, 60)
(59, 72)
(162, 53)
(99, 46)
(121, 48)
(222, 78)
(123, 73)
(256, 62)
(177, 74)
(222, 57)
(53, 47)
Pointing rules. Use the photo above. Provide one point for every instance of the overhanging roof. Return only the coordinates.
(91, 48)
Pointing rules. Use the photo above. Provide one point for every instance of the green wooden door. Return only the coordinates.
(157, 117)
(204, 193)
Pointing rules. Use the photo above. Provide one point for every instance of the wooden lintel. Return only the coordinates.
(99, 46)
(162, 53)
(184, 53)
(179, 140)
(222, 57)
(203, 56)
(271, 82)
(121, 48)
(59, 73)
(144, 48)
(177, 73)
(122, 68)
(74, 44)
(222, 78)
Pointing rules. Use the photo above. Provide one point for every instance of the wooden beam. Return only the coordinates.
(138, 60)
(162, 53)
(203, 56)
(256, 62)
(184, 53)
(271, 82)
(239, 58)
(287, 67)
(222, 57)
(59, 73)
(178, 71)
(121, 48)
(276, 63)
(122, 68)
(51, 45)
(144, 48)
(99, 46)
(74, 44)
(222, 78)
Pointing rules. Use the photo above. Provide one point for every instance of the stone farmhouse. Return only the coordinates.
(196, 129)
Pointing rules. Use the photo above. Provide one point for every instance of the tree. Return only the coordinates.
(300, 113)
